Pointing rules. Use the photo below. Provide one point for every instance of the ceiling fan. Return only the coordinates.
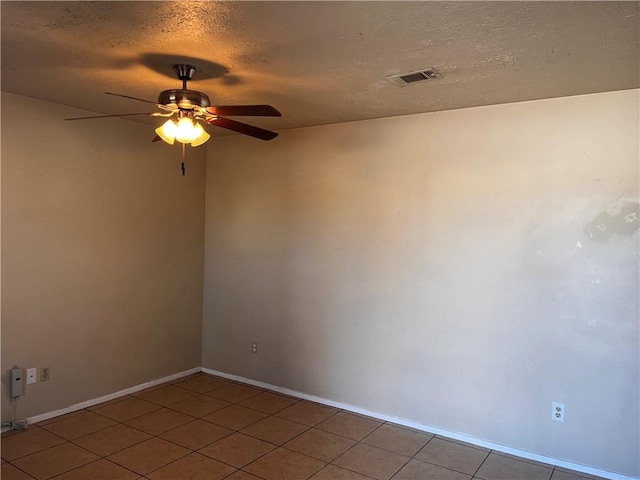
(187, 109)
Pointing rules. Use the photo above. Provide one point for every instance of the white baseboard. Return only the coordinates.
(427, 428)
(111, 396)
(344, 406)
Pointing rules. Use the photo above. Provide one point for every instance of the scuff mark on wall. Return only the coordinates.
(626, 222)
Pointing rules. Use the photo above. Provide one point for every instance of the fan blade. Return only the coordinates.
(107, 116)
(243, 128)
(156, 139)
(131, 98)
(245, 110)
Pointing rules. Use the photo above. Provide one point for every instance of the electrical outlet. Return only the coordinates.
(254, 347)
(31, 375)
(557, 411)
(45, 373)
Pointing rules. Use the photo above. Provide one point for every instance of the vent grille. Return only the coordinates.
(404, 79)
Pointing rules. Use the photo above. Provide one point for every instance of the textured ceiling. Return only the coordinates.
(318, 62)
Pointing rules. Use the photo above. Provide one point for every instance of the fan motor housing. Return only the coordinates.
(187, 99)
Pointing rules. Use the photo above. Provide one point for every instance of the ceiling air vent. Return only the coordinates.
(404, 79)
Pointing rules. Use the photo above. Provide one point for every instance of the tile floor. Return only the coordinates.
(208, 428)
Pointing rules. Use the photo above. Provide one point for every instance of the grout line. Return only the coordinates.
(481, 464)
(117, 464)
(41, 450)
(347, 468)
(19, 469)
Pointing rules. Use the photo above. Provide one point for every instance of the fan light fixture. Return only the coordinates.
(184, 130)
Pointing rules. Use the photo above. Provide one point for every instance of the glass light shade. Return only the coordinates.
(202, 136)
(184, 130)
(167, 131)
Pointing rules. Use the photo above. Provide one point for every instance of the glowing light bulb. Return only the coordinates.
(183, 130)
(167, 131)
(186, 131)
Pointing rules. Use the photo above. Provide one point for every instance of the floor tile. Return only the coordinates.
(371, 461)
(268, 402)
(398, 440)
(111, 440)
(79, 425)
(61, 417)
(237, 449)
(560, 473)
(149, 455)
(240, 475)
(165, 396)
(159, 421)
(196, 434)
(55, 460)
(234, 392)
(126, 409)
(9, 472)
(275, 430)
(331, 472)
(349, 425)
(307, 413)
(203, 383)
(99, 470)
(193, 467)
(417, 470)
(321, 445)
(500, 467)
(283, 464)
(454, 456)
(235, 417)
(199, 406)
(25, 443)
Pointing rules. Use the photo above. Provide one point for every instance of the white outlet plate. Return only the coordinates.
(557, 411)
(31, 375)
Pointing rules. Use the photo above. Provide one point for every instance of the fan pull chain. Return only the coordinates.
(183, 153)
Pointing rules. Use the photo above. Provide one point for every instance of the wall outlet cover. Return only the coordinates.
(31, 376)
(557, 411)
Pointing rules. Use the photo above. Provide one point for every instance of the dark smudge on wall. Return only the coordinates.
(625, 222)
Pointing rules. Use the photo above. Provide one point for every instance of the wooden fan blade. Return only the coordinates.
(243, 128)
(107, 116)
(156, 138)
(131, 98)
(245, 110)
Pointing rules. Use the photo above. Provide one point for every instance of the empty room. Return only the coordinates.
(320, 240)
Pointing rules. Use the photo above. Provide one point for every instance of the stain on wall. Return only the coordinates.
(625, 222)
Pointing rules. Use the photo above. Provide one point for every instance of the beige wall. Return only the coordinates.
(444, 268)
(102, 254)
